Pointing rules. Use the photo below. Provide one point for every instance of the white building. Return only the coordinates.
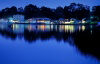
(19, 18)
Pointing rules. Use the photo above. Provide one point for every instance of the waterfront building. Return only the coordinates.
(18, 18)
(43, 20)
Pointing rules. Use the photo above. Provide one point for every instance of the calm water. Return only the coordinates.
(49, 44)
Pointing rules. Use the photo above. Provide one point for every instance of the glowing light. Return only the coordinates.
(69, 28)
(41, 27)
(91, 31)
(51, 27)
(51, 22)
(83, 28)
(15, 21)
(11, 20)
(67, 22)
(41, 21)
(83, 21)
(47, 22)
(79, 28)
(15, 26)
(72, 21)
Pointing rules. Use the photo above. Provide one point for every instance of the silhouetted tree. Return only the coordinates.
(31, 11)
(82, 11)
(47, 12)
(67, 13)
(96, 12)
(8, 11)
(13, 10)
(59, 12)
(78, 11)
(20, 10)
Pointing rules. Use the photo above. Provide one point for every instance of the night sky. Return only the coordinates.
(47, 3)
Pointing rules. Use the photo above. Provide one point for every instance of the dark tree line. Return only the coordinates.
(77, 11)
(96, 12)
(8, 11)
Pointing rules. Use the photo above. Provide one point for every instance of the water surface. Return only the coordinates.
(49, 44)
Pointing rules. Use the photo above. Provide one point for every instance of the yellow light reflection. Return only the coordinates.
(41, 27)
(15, 26)
(83, 28)
(69, 28)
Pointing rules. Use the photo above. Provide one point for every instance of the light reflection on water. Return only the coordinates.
(61, 28)
(53, 44)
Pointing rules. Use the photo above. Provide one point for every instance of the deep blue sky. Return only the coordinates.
(48, 3)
